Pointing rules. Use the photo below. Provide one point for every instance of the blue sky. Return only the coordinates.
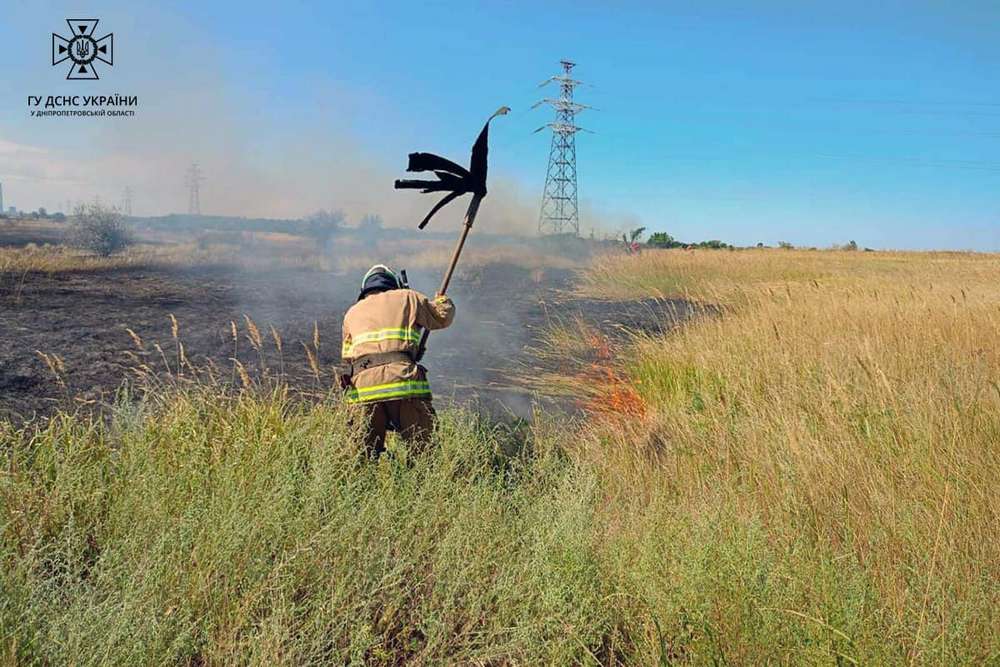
(747, 121)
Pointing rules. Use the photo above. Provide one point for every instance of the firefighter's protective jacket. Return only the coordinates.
(391, 321)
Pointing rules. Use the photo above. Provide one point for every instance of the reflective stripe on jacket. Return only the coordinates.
(391, 321)
(404, 335)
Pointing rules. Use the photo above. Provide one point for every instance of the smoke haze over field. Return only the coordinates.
(307, 166)
(264, 153)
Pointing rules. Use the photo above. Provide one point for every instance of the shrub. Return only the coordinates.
(100, 230)
(663, 240)
(323, 225)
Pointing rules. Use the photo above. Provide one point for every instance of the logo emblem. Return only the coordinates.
(82, 49)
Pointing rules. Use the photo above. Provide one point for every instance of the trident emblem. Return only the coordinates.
(82, 49)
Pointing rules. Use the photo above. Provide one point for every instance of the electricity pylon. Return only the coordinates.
(560, 212)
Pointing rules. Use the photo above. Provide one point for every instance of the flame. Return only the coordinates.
(600, 346)
(614, 396)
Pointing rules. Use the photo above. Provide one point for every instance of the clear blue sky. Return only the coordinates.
(808, 122)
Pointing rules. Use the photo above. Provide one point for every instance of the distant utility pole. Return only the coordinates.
(193, 179)
(127, 201)
(560, 213)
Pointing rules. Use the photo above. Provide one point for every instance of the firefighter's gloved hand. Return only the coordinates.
(436, 313)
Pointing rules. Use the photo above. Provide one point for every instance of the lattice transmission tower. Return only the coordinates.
(193, 180)
(560, 212)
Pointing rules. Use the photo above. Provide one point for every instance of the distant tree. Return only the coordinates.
(99, 229)
(323, 224)
(42, 212)
(785, 245)
(663, 240)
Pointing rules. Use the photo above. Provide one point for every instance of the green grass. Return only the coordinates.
(248, 530)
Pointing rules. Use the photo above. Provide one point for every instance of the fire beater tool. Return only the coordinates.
(455, 180)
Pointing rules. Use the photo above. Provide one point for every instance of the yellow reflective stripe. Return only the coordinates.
(394, 333)
(407, 335)
(388, 385)
(418, 385)
(390, 390)
(388, 397)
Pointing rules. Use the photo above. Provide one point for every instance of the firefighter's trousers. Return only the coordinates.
(412, 418)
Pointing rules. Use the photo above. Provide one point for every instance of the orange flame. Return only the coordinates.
(614, 397)
(599, 345)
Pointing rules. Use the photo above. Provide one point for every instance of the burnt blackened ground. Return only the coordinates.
(81, 317)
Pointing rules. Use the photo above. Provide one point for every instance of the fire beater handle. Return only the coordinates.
(470, 218)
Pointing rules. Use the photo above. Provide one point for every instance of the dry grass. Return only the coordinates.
(845, 410)
(58, 258)
(263, 252)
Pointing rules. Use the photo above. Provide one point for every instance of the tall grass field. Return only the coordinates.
(808, 475)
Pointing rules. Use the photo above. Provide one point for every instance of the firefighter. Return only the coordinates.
(381, 341)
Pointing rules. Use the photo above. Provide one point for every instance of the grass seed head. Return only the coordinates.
(254, 334)
(135, 338)
(277, 338)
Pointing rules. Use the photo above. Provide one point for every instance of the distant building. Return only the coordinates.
(11, 211)
(1, 197)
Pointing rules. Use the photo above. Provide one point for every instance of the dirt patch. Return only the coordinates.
(81, 320)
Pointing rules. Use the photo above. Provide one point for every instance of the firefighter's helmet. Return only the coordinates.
(380, 278)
